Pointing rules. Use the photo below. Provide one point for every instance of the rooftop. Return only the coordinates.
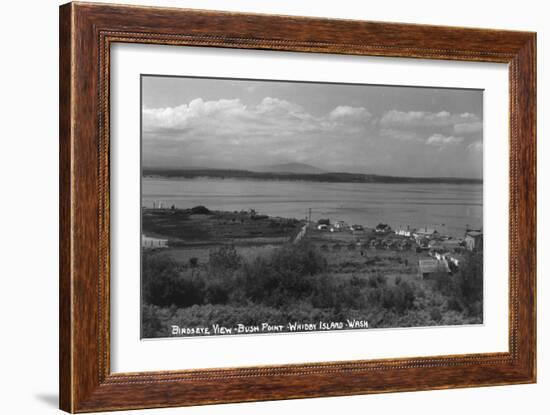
(425, 231)
(429, 266)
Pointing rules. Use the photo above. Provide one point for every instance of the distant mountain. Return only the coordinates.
(330, 177)
(289, 168)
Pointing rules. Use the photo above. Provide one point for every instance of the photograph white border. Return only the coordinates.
(130, 354)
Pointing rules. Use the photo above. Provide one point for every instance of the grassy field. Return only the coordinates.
(194, 235)
(183, 227)
(228, 269)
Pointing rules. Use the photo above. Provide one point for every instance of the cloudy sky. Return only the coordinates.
(219, 123)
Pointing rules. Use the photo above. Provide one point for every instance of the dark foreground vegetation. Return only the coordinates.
(294, 284)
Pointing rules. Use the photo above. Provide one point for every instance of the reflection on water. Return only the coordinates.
(447, 207)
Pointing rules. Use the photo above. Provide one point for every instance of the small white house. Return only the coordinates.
(340, 225)
(426, 233)
(148, 242)
(407, 232)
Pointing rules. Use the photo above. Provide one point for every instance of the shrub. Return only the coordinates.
(285, 276)
(164, 285)
(454, 304)
(293, 283)
(216, 292)
(376, 281)
(151, 323)
(358, 282)
(464, 289)
(435, 314)
(301, 258)
(158, 278)
(471, 279)
(399, 297)
(446, 284)
(200, 210)
(224, 258)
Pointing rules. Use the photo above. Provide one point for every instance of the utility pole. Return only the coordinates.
(309, 215)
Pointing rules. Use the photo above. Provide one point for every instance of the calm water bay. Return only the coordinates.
(447, 207)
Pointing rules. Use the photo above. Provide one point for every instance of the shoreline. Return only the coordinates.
(318, 179)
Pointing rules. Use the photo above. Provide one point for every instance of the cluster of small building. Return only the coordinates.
(445, 251)
(338, 226)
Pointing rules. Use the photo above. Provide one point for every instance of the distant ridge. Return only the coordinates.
(333, 177)
(290, 168)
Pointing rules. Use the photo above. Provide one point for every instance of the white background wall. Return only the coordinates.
(29, 193)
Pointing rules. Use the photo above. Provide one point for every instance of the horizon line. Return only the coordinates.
(308, 174)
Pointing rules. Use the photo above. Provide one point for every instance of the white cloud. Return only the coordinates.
(229, 133)
(441, 140)
(344, 111)
(468, 128)
(442, 128)
(186, 115)
(396, 118)
(400, 118)
(279, 106)
(403, 135)
(476, 146)
(271, 117)
(274, 130)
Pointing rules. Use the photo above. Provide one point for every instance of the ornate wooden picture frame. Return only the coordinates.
(87, 32)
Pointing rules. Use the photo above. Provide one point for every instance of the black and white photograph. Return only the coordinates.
(274, 206)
